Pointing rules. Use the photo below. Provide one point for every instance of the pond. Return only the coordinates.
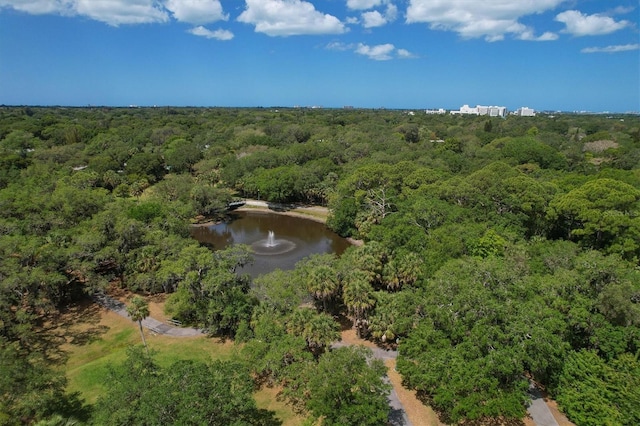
(277, 241)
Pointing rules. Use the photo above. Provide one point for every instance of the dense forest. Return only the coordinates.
(495, 252)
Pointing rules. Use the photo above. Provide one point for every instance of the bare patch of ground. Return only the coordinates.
(156, 307)
(599, 146)
(349, 337)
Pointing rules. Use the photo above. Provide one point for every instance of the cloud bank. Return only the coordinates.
(289, 17)
(491, 19)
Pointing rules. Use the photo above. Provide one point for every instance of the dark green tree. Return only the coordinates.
(32, 390)
(139, 392)
(346, 387)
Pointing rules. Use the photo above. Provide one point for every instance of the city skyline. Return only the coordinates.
(559, 55)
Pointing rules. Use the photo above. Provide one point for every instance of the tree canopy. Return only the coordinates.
(493, 251)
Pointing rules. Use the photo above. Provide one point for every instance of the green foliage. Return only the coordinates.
(319, 274)
(601, 214)
(146, 164)
(209, 292)
(482, 328)
(593, 392)
(208, 200)
(180, 155)
(346, 387)
(139, 392)
(145, 212)
(138, 310)
(279, 290)
(274, 355)
(343, 217)
(523, 150)
(318, 329)
(31, 390)
(490, 244)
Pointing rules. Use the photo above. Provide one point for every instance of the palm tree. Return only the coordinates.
(138, 310)
(322, 331)
(323, 284)
(318, 329)
(409, 268)
(357, 295)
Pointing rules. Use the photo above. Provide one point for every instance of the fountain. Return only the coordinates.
(271, 239)
(270, 246)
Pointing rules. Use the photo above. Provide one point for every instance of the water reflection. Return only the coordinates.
(249, 227)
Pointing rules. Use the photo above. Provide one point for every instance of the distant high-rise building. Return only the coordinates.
(492, 111)
(525, 112)
(497, 111)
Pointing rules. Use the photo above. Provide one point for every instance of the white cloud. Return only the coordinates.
(117, 12)
(391, 13)
(381, 52)
(196, 11)
(579, 24)
(373, 19)
(405, 54)
(289, 17)
(491, 19)
(337, 45)
(40, 7)
(363, 4)
(217, 34)
(621, 10)
(611, 49)
(112, 12)
(530, 36)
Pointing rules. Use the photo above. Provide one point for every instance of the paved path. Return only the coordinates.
(538, 408)
(149, 323)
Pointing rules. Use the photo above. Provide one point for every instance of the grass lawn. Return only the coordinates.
(95, 338)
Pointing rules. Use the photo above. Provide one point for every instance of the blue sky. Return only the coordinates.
(569, 55)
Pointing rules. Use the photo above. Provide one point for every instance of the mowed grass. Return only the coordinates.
(97, 338)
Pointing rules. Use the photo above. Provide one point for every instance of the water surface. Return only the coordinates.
(252, 227)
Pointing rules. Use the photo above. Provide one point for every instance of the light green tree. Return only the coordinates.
(138, 309)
